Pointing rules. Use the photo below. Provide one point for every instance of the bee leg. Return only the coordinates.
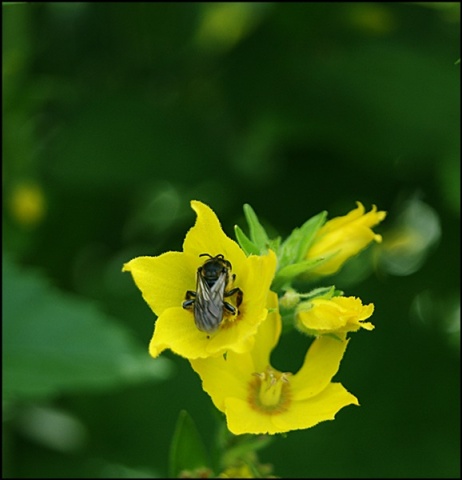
(188, 303)
(230, 308)
(239, 293)
(190, 299)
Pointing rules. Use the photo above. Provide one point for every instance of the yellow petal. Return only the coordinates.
(239, 337)
(175, 329)
(257, 277)
(339, 222)
(321, 363)
(267, 336)
(343, 237)
(311, 411)
(242, 419)
(336, 315)
(356, 217)
(207, 236)
(354, 312)
(163, 280)
(322, 316)
(222, 380)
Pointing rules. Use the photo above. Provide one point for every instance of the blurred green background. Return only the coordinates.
(116, 115)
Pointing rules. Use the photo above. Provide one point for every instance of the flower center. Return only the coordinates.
(269, 391)
(229, 318)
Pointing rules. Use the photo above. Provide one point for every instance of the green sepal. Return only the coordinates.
(187, 451)
(258, 234)
(274, 244)
(294, 248)
(244, 448)
(284, 276)
(322, 292)
(335, 336)
(288, 321)
(245, 243)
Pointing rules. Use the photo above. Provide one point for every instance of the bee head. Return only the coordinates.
(214, 266)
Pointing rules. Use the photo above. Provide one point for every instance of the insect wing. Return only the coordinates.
(208, 306)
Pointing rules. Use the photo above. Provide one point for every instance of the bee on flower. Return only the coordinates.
(199, 313)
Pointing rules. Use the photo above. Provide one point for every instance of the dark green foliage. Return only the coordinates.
(122, 113)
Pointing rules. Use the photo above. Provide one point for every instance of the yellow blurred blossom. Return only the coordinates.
(337, 315)
(27, 204)
(343, 237)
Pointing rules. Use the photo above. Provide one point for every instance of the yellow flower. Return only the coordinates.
(343, 237)
(240, 471)
(336, 315)
(165, 279)
(28, 204)
(258, 399)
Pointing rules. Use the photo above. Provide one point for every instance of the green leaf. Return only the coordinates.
(297, 243)
(56, 343)
(245, 243)
(258, 234)
(295, 269)
(187, 451)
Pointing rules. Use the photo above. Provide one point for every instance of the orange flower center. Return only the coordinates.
(269, 391)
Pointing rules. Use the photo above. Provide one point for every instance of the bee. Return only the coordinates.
(208, 301)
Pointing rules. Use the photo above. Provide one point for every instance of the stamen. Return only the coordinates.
(269, 391)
